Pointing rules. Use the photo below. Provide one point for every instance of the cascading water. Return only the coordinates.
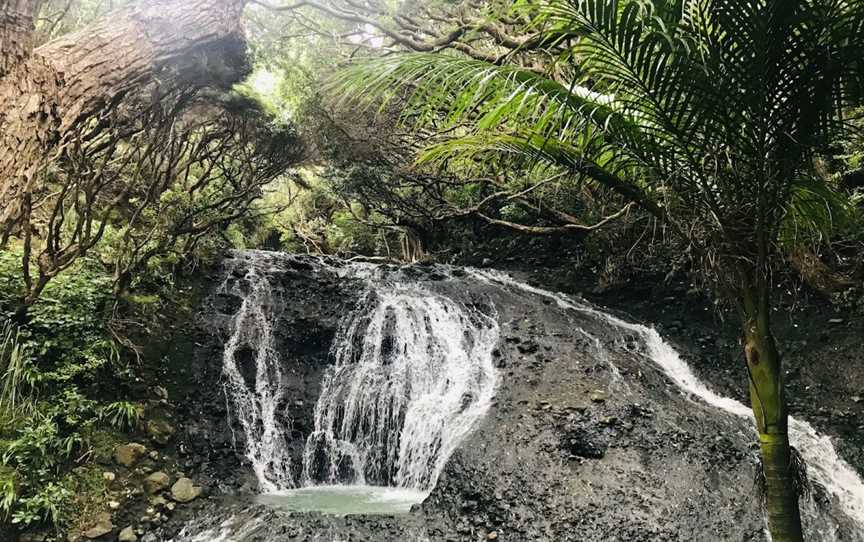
(838, 479)
(413, 372)
(253, 371)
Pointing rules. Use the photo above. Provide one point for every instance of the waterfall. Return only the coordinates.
(825, 466)
(254, 379)
(413, 372)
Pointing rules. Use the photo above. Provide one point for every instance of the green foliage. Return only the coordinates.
(16, 374)
(52, 366)
(641, 102)
(320, 218)
(8, 491)
(121, 414)
(48, 505)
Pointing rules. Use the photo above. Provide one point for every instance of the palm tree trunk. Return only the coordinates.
(772, 416)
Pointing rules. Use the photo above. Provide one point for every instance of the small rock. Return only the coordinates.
(130, 454)
(127, 535)
(184, 491)
(113, 505)
(109, 476)
(154, 455)
(492, 536)
(857, 399)
(598, 397)
(836, 321)
(102, 526)
(157, 482)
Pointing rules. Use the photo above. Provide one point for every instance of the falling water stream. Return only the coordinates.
(412, 374)
(255, 403)
(413, 371)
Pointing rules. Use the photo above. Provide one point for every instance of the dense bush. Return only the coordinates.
(51, 414)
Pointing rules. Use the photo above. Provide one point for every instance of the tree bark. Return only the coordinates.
(768, 400)
(82, 78)
(16, 32)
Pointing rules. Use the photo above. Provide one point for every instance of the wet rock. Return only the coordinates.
(579, 442)
(184, 490)
(157, 482)
(127, 535)
(528, 347)
(101, 527)
(128, 455)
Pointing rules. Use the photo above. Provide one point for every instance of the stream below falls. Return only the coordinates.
(416, 378)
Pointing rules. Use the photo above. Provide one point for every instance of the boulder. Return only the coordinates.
(101, 527)
(130, 454)
(157, 482)
(184, 491)
(127, 535)
(159, 431)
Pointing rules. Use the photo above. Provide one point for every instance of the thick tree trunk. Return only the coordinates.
(82, 78)
(16, 32)
(770, 410)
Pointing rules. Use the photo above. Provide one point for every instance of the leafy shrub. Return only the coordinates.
(121, 414)
(48, 505)
(49, 369)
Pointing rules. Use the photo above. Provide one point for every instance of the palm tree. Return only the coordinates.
(706, 113)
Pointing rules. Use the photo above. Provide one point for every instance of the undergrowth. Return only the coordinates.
(54, 414)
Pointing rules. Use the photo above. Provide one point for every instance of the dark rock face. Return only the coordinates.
(576, 447)
(574, 452)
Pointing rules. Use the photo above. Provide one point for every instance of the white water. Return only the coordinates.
(255, 403)
(824, 464)
(413, 373)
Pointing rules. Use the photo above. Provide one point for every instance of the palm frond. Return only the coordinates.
(446, 91)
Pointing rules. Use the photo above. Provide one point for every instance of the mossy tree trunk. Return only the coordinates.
(768, 400)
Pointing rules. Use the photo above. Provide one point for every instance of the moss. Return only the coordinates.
(91, 493)
(102, 443)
